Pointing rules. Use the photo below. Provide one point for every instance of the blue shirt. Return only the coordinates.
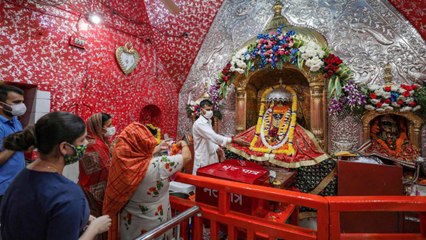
(16, 162)
(43, 205)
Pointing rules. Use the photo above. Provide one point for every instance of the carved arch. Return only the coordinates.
(315, 83)
(414, 126)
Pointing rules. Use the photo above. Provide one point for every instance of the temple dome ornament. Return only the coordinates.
(305, 33)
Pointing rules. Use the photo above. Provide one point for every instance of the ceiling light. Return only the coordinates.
(94, 18)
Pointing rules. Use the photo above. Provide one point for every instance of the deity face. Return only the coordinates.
(388, 125)
(277, 116)
(389, 131)
(276, 120)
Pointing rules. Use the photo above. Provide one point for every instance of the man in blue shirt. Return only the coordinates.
(11, 106)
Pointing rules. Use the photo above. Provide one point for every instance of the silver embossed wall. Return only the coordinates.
(365, 34)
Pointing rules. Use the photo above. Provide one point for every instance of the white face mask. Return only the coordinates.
(17, 110)
(110, 132)
(209, 114)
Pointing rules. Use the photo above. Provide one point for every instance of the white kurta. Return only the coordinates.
(206, 142)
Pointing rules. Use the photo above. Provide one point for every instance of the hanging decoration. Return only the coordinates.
(127, 57)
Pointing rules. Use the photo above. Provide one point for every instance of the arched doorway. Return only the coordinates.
(309, 87)
(151, 114)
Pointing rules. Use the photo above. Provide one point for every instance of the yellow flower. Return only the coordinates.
(288, 147)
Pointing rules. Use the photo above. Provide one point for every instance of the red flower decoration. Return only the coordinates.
(388, 89)
(379, 104)
(387, 101)
(333, 60)
(406, 87)
(373, 95)
(412, 104)
(406, 94)
(226, 78)
(400, 102)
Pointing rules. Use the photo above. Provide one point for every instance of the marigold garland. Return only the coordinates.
(175, 149)
(158, 135)
(399, 141)
(288, 144)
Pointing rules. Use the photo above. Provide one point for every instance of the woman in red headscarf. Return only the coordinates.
(95, 163)
(138, 184)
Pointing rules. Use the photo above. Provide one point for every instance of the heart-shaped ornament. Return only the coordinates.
(127, 57)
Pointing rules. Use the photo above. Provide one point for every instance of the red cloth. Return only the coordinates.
(130, 160)
(94, 168)
(408, 155)
(307, 150)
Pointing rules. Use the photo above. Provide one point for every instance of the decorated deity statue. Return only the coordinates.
(389, 140)
(278, 138)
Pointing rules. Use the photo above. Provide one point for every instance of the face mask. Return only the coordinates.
(110, 132)
(78, 154)
(209, 114)
(17, 110)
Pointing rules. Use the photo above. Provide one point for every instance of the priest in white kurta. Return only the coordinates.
(206, 141)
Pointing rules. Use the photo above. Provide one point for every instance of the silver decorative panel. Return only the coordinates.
(366, 34)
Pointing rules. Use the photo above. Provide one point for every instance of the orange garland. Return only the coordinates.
(175, 149)
(399, 142)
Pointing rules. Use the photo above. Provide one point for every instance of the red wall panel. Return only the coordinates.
(35, 49)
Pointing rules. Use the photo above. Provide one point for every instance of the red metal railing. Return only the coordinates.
(338, 204)
(328, 212)
(252, 226)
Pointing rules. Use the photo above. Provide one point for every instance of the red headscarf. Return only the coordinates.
(130, 160)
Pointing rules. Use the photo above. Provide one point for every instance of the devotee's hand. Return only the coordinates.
(165, 144)
(220, 154)
(182, 143)
(91, 218)
(101, 224)
(241, 142)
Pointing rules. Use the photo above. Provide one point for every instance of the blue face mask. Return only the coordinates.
(78, 154)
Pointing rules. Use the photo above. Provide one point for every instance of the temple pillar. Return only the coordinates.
(240, 110)
(415, 136)
(317, 111)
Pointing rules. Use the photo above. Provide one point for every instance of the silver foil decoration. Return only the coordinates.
(366, 34)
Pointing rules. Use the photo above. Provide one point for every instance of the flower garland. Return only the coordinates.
(158, 135)
(391, 97)
(193, 109)
(352, 98)
(278, 134)
(398, 143)
(288, 149)
(275, 49)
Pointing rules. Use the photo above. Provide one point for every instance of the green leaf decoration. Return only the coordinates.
(249, 65)
(330, 87)
(280, 65)
(223, 90)
(338, 87)
(300, 62)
